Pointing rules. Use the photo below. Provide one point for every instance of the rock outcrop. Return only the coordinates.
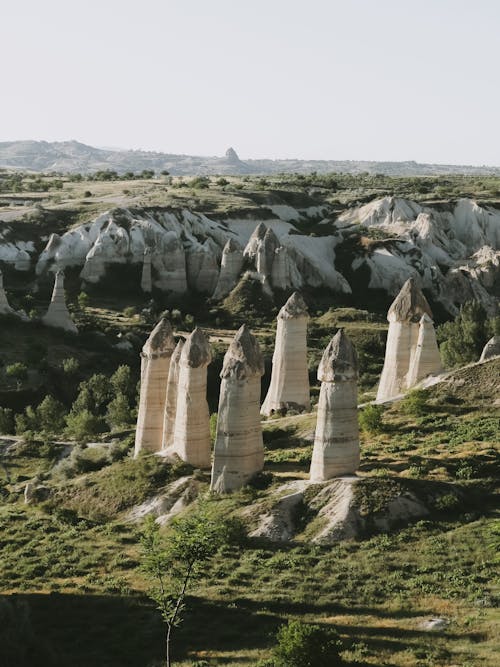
(239, 449)
(289, 388)
(57, 314)
(146, 282)
(336, 441)
(5, 308)
(426, 359)
(171, 396)
(491, 349)
(230, 269)
(404, 318)
(155, 366)
(192, 420)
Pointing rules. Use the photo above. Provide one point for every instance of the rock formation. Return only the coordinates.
(169, 261)
(491, 349)
(404, 316)
(289, 386)
(192, 420)
(239, 449)
(155, 365)
(58, 315)
(5, 308)
(426, 359)
(230, 269)
(336, 441)
(146, 283)
(171, 396)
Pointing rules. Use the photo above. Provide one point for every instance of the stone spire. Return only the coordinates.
(426, 359)
(146, 283)
(255, 241)
(155, 365)
(491, 349)
(57, 314)
(230, 269)
(404, 316)
(239, 450)
(289, 386)
(171, 396)
(192, 420)
(336, 441)
(5, 308)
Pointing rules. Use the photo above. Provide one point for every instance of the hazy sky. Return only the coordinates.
(319, 79)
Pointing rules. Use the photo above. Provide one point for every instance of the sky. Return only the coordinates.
(310, 79)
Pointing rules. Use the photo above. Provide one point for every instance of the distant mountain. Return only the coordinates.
(72, 156)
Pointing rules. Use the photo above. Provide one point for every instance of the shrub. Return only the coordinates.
(306, 645)
(71, 366)
(50, 415)
(118, 413)
(370, 418)
(129, 311)
(17, 371)
(415, 403)
(463, 339)
(82, 424)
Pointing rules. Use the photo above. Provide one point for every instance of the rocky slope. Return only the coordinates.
(453, 251)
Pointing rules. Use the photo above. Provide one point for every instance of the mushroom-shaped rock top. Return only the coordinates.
(243, 357)
(294, 307)
(339, 360)
(409, 305)
(161, 340)
(196, 350)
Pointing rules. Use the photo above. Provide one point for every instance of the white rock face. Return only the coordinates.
(289, 386)
(464, 241)
(146, 282)
(192, 420)
(155, 365)
(239, 449)
(169, 262)
(336, 441)
(491, 349)
(171, 396)
(404, 316)
(203, 267)
(57, 314)
(5, 308)
(230, 269)
(426, 359)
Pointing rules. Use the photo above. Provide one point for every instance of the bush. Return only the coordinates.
(50, 415)
(462, 341)
(71, 366)
(18, 371)
(83, 424)
(306, 645)
(118, 413)
(370, 418)
(415, 403)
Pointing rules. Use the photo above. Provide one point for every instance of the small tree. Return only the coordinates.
(173, 566)
(370, 418)
(50, 415)
(18, 371)
(118, 413)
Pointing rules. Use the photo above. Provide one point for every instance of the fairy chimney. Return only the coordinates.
(171, 396)
(57, 314)
(230, 269)
(192, 420)
(336, 441)
(289, 386)
(239, 449)
(155, 366)
(426, 359)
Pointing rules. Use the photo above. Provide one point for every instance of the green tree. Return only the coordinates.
(82, 424)
(50, 414)
(93, 395)
(118, 413)
(83, 300)
(122, 381)
(371, 418)
(306, 645)
(462, 340)
(173, 565)
(18, 371)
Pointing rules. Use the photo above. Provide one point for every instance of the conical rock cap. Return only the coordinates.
(339, 361)
(161, 340)
(196, 351)
(294, 307)
(409, 305)
(243, 358)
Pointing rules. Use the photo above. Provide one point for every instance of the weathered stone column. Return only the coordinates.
(192, 420)
(146, 282)
(491, 349)
(403, 316)
(289, 386)
(230, 269)
(5, 308)
(239, 449)
(171, 396)
(57, 314)
(426, 359)
(336, 441)
(155, 365)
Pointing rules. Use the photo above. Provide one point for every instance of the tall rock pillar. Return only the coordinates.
(155, 365)
(57, 314)
(171, 397)
(336, 441)
(230, 269)
(289, 386)
(426, 359)
(192, 420)
(239, 449)
(404, 316)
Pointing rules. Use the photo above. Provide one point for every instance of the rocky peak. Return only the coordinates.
(339, 360)
(243, 358)
(161, 340)
(294, 307)
(409, 305)
(196, 351)
(232, 156)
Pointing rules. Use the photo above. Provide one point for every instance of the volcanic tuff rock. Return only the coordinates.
(155, 365)
(57, 314)
(289, 387)
(239, 448)
(171, 396)
(426, 359)
(491, 349)
(192, 420)
(230, 269)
